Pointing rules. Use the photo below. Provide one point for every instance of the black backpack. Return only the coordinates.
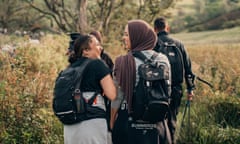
(68, 103)
(151, 97)
(170, 49)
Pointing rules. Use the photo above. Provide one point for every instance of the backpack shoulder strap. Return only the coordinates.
(169, 42)
(80, 69)
(142, 57)
(159, 41)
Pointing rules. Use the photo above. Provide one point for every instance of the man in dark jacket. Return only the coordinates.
(162, 29)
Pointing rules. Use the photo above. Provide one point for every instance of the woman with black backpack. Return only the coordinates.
(138, 37)
(96, 78)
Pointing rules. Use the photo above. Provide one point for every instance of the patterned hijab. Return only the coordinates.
(142, 37)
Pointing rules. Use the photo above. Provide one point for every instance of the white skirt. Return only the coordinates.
(93, 131)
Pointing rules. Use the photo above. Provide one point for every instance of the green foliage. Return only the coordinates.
(213, 8)
(223, 110)
(16, 15)
(65, 15)
(26, 91)
(27, 80)
(217, 121)
(214, 115)
(108, 16)
(232, 23)
(205, 15)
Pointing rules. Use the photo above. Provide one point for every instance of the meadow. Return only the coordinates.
(215, 112)
(27, 79)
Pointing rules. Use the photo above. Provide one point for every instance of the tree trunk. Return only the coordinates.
(82, 25)
(108, 16)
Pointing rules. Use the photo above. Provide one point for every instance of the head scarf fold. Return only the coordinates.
(142, 37)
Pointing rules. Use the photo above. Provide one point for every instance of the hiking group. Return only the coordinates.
(132, 101)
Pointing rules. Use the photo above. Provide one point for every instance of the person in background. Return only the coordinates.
(138, 36)
(96, 78)
(162, 30)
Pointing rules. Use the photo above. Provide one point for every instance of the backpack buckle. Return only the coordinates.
(77, 98)
(148, 83)
(77, 91)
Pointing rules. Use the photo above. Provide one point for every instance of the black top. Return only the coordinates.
(107, 59)
(163, 35)
(95, 71)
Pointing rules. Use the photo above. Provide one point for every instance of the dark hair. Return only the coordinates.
(80, 44)
(160, 23)
(97, 34)
(73, 37)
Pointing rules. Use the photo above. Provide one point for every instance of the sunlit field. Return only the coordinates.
(215, 112)
(27, 78)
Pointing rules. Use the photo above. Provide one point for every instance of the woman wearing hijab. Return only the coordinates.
(138, 36)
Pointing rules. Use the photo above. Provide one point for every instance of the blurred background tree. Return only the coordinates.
(77, 15)
(202, 15)
(110, 16)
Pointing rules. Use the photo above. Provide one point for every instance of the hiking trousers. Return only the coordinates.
(174, 108)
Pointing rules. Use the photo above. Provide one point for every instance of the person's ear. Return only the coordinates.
(167, 28)
(85, 52)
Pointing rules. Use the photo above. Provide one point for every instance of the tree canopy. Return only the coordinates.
(110, 15)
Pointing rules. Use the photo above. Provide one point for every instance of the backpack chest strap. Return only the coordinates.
(94, 99)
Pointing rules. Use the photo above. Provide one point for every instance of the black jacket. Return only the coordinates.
(188, 74)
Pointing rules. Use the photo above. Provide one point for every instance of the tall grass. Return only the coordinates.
(27, 80)
(26, 91)
(214, 112)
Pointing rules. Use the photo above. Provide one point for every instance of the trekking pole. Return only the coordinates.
(204, 81)
(184, 112)
(189, 124)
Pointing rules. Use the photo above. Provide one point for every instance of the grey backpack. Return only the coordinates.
(151, 97)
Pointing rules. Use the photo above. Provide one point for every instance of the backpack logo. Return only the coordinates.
(171, 54)
(151, 98)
